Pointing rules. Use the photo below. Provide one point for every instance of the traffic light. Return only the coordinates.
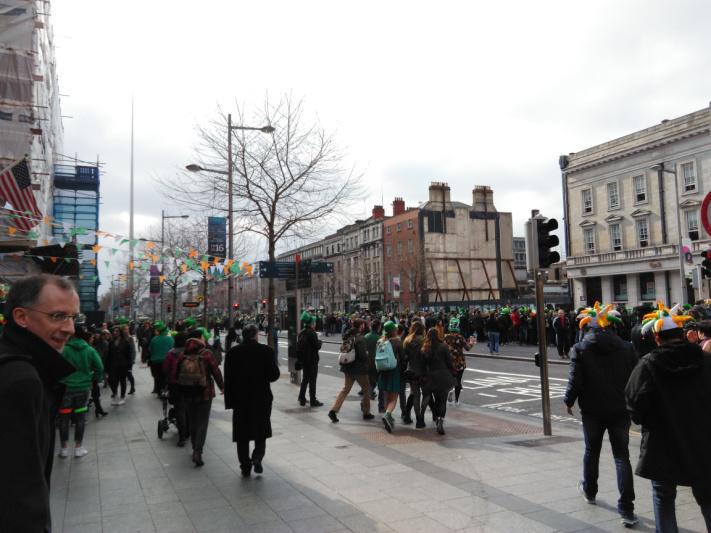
(546, 241)
(264, 302)
(235, 306)
(706, 265)
(169, 308)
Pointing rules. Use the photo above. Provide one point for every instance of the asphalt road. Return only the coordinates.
(512, 385)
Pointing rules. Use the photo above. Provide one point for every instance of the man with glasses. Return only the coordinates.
(41, 310)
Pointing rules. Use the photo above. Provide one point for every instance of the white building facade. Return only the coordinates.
(622, 200)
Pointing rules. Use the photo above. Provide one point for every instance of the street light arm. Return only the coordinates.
(197, 168)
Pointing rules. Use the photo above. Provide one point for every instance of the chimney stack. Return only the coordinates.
(483, 198)
(378, 212)
(398, 206)
(439, 192)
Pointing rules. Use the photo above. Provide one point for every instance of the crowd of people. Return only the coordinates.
(53, 370)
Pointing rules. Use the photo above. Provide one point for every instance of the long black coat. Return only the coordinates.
(669, 394)
(249, 369)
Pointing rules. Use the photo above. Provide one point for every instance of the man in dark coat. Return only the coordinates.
(561, 327)
(669, 394)
(600, 366)
(307, 346)
(40, 320)
(356, 371)
(249, 369)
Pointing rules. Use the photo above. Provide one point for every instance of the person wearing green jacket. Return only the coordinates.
(88, 365)
(158, 348)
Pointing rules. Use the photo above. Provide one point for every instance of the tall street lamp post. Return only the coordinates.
(163, 218)
(682, 278)
(228, 173)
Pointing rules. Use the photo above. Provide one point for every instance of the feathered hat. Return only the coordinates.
(598, 316)
(663, 319)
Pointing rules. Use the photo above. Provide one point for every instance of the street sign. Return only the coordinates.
(216, 236)
(304, 283)
(277, 269)
(705, 213)
(191, 304)
(321, 267)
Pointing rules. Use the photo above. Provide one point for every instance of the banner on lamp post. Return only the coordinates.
(154, 285)
(396, 286)
(216, 236)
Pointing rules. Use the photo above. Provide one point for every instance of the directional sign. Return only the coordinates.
(304, 283)
(277, 269)
(321, 267)
(706, 214)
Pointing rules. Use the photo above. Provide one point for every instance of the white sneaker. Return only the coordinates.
(64, 453)
(122, 401)
(115, 402)
(79, 452)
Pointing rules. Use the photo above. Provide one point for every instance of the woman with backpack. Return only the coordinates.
(440, 375)
(388, 355)
(197, 373)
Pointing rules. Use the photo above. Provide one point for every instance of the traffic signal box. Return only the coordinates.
(706, 265)
(546, 241)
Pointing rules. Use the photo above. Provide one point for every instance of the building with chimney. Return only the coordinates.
(403, 266)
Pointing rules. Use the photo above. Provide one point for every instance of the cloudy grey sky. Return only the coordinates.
(471, 93)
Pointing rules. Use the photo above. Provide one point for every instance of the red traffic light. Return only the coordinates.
(235, 306)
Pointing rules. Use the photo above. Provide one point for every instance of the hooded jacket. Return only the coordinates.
(600, 366)
(87, 362)
(669, 394)
(359, 366)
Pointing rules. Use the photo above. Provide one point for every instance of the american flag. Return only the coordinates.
(16, 188)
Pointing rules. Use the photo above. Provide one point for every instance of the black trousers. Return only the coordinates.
(198, 416)
(158, 378)
(260, 446)
(308, 379)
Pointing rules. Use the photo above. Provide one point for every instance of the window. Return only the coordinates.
(687, 171)
(589, 240)
(643, 232)
(619, 288)
(399, 247)
(615, 237)
(613, 196)
(692, 224)
(409, 224)
(640, 189)
(587, 201)
(389, 250)
(434, 222)
(398, 226)
(389, 230)
(646, 286)
(410, 247)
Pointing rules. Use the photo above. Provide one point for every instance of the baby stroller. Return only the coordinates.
(168, 413)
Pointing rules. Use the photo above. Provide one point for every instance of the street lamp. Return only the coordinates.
(163, 217)
(228, 173)
(682, 278)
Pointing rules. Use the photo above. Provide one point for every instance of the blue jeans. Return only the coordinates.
(493, 341)
(663, 497)
(618, 428)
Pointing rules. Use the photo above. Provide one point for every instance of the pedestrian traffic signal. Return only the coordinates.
(546, 241)
(235, 306)
(264, 302)
(706, 265)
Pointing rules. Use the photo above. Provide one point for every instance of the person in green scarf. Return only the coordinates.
(158, 348)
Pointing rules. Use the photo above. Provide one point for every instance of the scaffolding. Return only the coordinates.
(76, 205)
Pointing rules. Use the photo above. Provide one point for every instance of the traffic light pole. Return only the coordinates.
(543, 353)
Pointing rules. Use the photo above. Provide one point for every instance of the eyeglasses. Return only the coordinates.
(57, 316)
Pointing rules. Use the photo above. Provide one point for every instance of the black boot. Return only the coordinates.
(440, 425)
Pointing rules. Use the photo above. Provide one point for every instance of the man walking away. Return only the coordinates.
(158, 348)
(249, 369)
(669, 394)
(40, 313)
(562, 334)
(599, 369)
(307, 347)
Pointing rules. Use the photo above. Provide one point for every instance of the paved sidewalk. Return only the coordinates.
(491, 472)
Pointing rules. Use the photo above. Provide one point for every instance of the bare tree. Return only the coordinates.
(285, 184)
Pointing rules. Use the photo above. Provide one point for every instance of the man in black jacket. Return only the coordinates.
(249, 369)
(40, 320)
(599, 368)
(669, 394)
(307, 346)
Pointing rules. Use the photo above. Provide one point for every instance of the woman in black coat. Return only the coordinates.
(249, 369)
(440, 377)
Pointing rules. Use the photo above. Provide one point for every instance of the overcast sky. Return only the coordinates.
(471, 93)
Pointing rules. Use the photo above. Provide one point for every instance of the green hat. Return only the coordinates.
(454, 325)
(306, 318)
(389, 326)
(190, 322)
(205, 333)
(122, 321)
(159, 325)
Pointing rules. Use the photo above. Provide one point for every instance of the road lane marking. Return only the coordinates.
(327, 366)
(487, 395)
(511, 374)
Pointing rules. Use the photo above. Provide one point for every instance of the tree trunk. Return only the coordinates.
(270, 298)
(175, 302)
(204, 301)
